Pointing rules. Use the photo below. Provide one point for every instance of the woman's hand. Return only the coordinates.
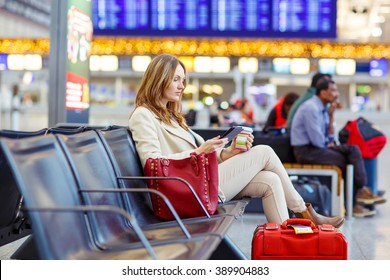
(231, 151)
(211, 145)
(249, 143)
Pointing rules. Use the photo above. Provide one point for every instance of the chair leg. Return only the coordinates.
(349, 190)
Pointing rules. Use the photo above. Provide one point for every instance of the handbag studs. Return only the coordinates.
(195, 167)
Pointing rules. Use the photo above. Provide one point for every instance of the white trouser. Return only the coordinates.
(260, 173)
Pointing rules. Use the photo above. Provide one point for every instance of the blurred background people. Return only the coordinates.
(278, 116)
(312, 138)
(311, 91)
(16, 104)
(240, 113)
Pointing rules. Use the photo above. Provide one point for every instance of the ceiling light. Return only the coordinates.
(208, 100)
(94, 63)
(33, 62)
(346, 67)
(379, 19)
(248, 64)
(384, 10)
(300, 66)
(190, 89)
(217, 89)
(140, 62)
(327, 65)
(109, 63)
(376, 32)
(221, 64)
(202, 64)
(207, 89)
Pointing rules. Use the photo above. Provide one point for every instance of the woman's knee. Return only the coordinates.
(266, 153)
(271, 181)
(263, 184)
(274, 180)
(263, 149)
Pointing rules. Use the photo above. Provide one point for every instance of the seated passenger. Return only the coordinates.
(311, 91)
(278, 115)
(159, 129)
(240, 113)
(312, 138)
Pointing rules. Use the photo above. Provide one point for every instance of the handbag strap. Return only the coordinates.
(194, 162)
(164, 166)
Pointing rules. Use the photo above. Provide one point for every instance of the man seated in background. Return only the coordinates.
(312, 138)
(311, 91)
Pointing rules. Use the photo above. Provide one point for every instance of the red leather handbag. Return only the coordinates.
(281, 242)
(201, 174)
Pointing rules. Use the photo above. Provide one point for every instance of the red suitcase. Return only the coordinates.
(280, 242)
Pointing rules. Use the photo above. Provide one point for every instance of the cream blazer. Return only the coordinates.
(154, 139)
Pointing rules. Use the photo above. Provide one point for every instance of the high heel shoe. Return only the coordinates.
(318, 219)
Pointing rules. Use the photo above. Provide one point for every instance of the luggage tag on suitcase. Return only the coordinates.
(301, 229)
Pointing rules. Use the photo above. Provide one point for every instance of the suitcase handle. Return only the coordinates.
(297, 221)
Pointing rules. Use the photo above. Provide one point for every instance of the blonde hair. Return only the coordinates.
(157, 78)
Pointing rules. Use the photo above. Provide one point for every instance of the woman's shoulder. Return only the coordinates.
(141, 111)
(140, 118)
(142, 115)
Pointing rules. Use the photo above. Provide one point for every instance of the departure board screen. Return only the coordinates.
(179, 15)
(120, 15)
(216, 18)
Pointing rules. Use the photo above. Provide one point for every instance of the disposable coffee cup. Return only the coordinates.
(242, 137)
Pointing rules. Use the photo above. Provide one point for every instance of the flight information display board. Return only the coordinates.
(216, 18)
(120, 15)
(180, 15)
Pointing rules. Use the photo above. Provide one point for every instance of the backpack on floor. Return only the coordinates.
(365, 135)
(314, 192)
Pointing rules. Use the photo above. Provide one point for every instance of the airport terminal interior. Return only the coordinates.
(258, 61)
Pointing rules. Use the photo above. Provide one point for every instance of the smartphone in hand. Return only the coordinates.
(232, 132)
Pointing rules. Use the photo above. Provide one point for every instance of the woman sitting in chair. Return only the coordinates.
(159, 129)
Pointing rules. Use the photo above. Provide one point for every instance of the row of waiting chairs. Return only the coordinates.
(84, 193)
(13, 224)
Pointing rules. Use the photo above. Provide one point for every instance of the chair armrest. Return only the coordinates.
(101, 208)
(168, 178)
(166, 200)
